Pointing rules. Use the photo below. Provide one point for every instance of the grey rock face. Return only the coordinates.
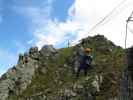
(48, 48)
(5, 87)
(16, 80)
(49, 51)
(34, 53)
(25, 73)
(60, 83)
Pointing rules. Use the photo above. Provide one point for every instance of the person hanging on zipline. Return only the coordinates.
(85, 62)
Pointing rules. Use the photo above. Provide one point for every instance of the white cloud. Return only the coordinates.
(82, 16)
(89, 12)
(115, 28)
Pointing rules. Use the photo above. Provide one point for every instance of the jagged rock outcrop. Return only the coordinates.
(49, 74)
(16, 80)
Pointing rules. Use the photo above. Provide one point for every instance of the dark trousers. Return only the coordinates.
(83, 67)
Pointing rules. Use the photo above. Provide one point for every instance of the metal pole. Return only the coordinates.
(126, 34)
(129, 19)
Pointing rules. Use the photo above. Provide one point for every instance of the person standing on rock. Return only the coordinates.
(85, 62)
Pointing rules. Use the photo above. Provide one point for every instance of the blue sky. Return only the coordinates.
(16, 26)
(26, 23)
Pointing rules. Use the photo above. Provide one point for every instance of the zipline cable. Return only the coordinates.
(107, 16)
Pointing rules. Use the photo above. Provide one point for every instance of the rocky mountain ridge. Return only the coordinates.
(49, 74)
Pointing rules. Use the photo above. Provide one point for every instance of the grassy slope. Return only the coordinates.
(107, 63)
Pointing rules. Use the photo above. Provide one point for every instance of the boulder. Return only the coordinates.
(47, 49)
(34, 53)
(6, 86)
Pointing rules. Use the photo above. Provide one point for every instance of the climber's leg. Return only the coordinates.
(78, 72)
(85, 71)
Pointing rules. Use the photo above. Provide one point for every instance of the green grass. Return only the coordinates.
(109, 64)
